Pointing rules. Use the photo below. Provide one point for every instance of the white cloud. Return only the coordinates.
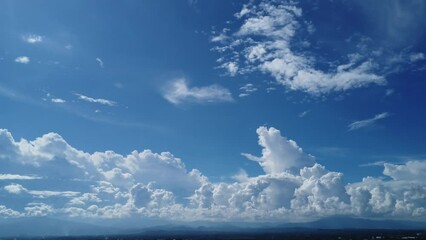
(100, 62)
(15, 188)
(219, 38)
(293, 186)
(265, 42)
(57, 100)
(247, 89)
(178, 92)
(19, 189)
(32, 38)
(411, 170)
(304, 113)
(231, 67)
(279, 154)
(17, 177)
(414, 57)
(22, 59)
(7, 212)
(367, 122)
(38, 209)
(96, 100)
(389, 92)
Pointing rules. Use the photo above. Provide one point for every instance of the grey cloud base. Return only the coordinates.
(51, 178)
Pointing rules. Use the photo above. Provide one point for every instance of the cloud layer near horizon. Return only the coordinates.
(50, 177)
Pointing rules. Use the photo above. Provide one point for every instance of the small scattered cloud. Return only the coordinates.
(304, 113)
(58, 100)
(119, 85)
(96, 100)
(415, 57)
(22, 59)
(247, 89)
(367, 122)
(389, 91)
(15, 188)
(33, 38)
(219, 38)
(231, 67)
(178, 91)
(100, 62)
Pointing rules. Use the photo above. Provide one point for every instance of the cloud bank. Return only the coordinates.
(52, 178)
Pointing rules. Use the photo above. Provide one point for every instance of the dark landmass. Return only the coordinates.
(299, 234)
(327, 228)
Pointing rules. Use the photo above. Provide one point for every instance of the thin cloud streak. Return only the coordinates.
(17, 177)
(96, 100)
(367, 122)
(100, 62)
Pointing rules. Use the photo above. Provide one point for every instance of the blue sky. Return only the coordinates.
(212, 110)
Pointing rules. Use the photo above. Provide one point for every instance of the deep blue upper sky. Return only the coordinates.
(204, 80)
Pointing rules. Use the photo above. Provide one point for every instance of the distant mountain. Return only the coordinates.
(56, 227)
(356, 223)
(42, 226)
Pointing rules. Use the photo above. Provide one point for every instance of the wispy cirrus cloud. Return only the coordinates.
(22, 59)
(100, 62)
(96, 100)
(178, 92)
(367, 122)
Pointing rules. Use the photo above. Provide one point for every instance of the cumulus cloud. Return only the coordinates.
(7, 212)
(279, 154)
(32, 38)
(178, 92)
(411, 170)
(367, 122)
(265, 41)
(96, 100)
(293, 186)
(38, 209)
(22, 59)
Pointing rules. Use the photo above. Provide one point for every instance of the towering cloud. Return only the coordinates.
(53, 178)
